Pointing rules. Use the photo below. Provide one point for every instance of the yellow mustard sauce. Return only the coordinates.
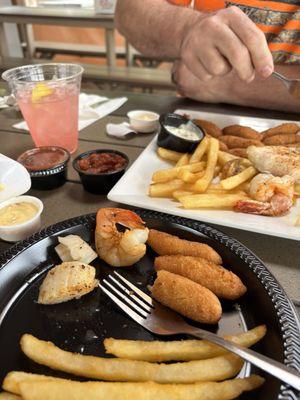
(17, 213)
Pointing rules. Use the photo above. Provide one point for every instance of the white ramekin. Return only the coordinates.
(141, 125)
(14, 233)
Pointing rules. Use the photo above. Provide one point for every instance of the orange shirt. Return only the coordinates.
(278, 19)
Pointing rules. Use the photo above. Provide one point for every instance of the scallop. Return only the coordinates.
(67, 281)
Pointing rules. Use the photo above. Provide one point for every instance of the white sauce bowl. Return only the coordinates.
(14, 233)
(143, 125)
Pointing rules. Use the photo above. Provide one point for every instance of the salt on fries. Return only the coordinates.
(182, 350)
(114, 369)
(61, 389)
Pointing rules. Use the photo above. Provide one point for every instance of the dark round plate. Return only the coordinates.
(81, 325)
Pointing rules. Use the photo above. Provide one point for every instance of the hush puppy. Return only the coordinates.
(223, 283)
(186, 297)
(165, 244)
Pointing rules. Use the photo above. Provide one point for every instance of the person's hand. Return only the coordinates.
(225, 40)
(219, 89)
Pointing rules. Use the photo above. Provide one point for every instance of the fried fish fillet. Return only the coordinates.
(223, 283)
(165, 244)
(276, 160)
(186, 297)
(67, 281)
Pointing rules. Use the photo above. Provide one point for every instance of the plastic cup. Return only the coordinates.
(48, 96)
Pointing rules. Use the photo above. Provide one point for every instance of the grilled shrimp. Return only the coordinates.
(120, 249)
(272, 195)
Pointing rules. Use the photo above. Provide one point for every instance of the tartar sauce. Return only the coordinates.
(183, 131)
(17, 213)
(145, 117)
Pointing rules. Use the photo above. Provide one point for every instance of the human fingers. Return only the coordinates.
(184, 74)
(237, 54)
(213, 61)
(254, 40)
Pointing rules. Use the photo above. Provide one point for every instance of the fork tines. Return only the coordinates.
(127, 296)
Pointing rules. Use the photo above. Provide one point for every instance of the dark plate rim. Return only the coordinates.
(288, 319)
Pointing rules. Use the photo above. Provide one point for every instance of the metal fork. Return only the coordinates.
(161, 320)
(293, 85)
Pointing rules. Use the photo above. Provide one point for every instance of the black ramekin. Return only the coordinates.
(103, 182)
(49, 178)
(167, 140)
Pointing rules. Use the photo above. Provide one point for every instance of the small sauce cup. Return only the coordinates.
(14, 233)
(167, 139)
(47, 166)
(99, 182)
(143, 121)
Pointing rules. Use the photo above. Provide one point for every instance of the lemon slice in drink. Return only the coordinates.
(39, 91)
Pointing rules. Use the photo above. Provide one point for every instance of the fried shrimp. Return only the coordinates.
(223, 283)
(165, 244)
(120, 249)
(187, 297)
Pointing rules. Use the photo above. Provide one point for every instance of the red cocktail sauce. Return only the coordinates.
(42, 158)
(99, 163)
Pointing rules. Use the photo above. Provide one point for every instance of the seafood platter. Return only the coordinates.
(63, 335)
(235, 171)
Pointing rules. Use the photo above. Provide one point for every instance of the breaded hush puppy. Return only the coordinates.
(223, 283)
(165, 244)
(187, 297)
(209, 127)
(242, 131)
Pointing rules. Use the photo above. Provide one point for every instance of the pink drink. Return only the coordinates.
(52, 119)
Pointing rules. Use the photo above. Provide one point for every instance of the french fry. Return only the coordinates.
(200, 151)
(212, 157)
(189, 177)
(168, 155)
(178, 350)
(223, 157)
(165, 189)
(13, 379)
(297, 189)
(180, 193)
(183, 160)
(297, 223)
(63, 389)
(9, 396)
(210, 200)
(114, 369)
(236, 180)
(165, 175)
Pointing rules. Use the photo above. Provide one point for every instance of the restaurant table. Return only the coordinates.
(63, 16)
(280, 255)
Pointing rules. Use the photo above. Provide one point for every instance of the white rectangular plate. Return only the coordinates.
(132, 188)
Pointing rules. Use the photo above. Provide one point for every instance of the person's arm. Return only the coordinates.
(210, 44)
(260, 93)
(154, 27)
